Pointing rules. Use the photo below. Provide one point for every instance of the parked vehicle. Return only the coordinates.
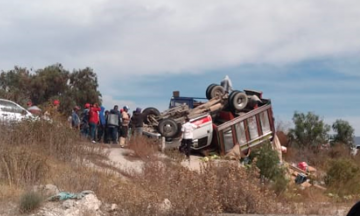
(226, 119)
(12, 112)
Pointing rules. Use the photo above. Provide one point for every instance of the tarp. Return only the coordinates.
(67, 195)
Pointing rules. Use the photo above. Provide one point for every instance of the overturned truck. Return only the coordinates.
(225, 119)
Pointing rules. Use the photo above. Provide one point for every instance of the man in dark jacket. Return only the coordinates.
(113, 123)
(137, 122)
(106, 130)
(84, 121)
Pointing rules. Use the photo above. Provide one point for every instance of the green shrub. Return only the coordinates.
(29, 202)
(268, 162)
(342, 177)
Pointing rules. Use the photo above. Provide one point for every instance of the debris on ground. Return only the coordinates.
(66, 195)
(72, 204)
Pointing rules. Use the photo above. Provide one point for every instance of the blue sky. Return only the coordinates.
(304, 55)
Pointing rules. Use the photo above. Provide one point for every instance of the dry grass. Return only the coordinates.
(21, 165)
(43, 153)
(223, 187)
(336, 166)
(144, 148)
(29, 150)
(10, 193)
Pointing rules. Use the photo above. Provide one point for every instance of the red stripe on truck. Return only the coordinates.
(202, 120)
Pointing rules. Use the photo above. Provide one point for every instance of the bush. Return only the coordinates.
(29, 202)
(268, 162)
(342, 177)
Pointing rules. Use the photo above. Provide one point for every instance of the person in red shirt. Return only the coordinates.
(93, 120)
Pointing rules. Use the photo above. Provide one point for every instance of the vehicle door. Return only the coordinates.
(6, 113)
(10, 111)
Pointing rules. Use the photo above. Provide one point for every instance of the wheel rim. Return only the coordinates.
(217, 91)
(239, 101)
(168, 129)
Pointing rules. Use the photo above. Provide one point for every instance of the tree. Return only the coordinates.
(344, 132)
(50, 83)
(82, 88)
(309, 131)
(15, 85)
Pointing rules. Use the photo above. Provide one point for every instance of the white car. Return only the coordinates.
(11, 111)
(355, 149)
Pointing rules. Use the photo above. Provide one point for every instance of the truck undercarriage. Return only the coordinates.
(225, 119)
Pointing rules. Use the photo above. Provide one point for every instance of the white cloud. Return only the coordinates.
(161, 36)
(109, 102)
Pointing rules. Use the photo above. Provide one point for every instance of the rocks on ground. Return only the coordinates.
(87, 204)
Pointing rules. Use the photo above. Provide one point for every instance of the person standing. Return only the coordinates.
(137, 122)
(187, 130)
(101, 126)
(75, 120)
(124, 126)
(113, 123)
(84, 125)
(93, 121)
(52, 112)
(106, 129)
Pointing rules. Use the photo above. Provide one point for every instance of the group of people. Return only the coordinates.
(110, 126)
(107, 126)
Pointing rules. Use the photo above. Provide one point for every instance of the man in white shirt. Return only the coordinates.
(187, 137)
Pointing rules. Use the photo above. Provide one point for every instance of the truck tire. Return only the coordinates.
(216, 91)
(148, 112)
(208, 90)
(231, 96)
(238, 100)
(168, 128)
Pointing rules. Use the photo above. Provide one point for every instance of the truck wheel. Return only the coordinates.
(208, 90)
(238, 100)
(216, 91)
(168, 128)
(231, 96)
(150, 111)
